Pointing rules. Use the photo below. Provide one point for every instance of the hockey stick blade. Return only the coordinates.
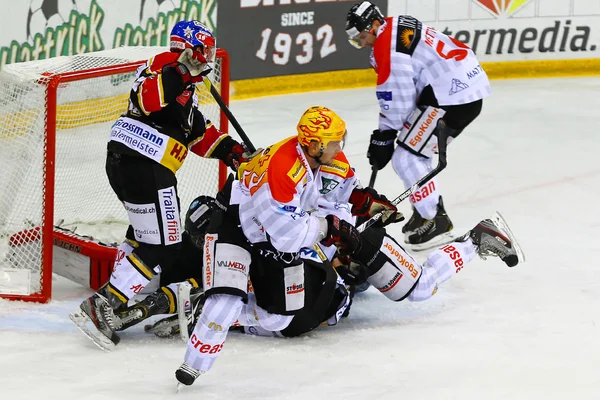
(442, 163)
(501, 222)
(183, 299)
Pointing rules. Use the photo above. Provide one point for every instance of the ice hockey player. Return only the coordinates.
(427, 83)
(383, 263)
(326, 296)
(146, 147)
(293, 195)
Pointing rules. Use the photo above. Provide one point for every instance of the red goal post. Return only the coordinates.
(55, 118)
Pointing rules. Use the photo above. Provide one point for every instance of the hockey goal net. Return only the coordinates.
(55, 118)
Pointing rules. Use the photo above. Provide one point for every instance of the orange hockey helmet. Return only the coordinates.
(321, 124)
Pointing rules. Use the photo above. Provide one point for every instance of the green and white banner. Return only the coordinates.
(38, 29)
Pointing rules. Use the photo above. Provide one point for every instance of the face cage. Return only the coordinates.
(208, 52)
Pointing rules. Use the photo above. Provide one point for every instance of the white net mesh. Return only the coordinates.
(83, 199)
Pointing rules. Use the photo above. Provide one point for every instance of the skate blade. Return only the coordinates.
(163, 329)
(81, 320)
(183, 297)
(436, 242)
(501, 222)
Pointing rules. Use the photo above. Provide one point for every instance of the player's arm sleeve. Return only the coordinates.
(278, 209)
(210, 142)
(397, 95)
(158, 84)
(338, 202)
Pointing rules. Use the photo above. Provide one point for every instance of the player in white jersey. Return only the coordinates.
(427, 83)
(383, 263)
(295, 194)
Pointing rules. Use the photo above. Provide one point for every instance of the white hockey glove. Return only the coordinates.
(192, 63)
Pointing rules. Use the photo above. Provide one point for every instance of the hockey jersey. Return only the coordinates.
(280, 196)
(163, 121)
(408, 56)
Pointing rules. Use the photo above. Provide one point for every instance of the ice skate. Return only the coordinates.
(494, 238)
(186, 375)
(415, 221)
(432, 232)
(95, 318)
(153, 304)
(166, 328)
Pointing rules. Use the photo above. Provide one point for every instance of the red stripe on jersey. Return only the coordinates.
(207, 143)
(382, 52)
(150, 92)
(283, 188)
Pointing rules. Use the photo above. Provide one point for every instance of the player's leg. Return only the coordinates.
(226, 266)
(429, 224)
(148, 193)
(397, 275)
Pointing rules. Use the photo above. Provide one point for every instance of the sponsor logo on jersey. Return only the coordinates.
(336, 167)
(215, 327)
(475, 71)
(205, 348)
(457, 86)
(232, 265)
(140, 209)
(454, 255)
(138, 130)
(170, 215)
(422, 193)
(288, 208)
(294, 289)
(393, 282)
(408, 34)
(384, 95)
(208, 259)
(401, 260)
(328, 185)
(297, 171)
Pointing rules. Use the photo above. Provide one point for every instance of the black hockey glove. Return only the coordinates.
(381, 148)
(367, 202)
(352, 273)
(342, 234)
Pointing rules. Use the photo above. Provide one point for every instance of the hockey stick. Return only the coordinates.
(373, 176)
(442, 162)
(213, 91)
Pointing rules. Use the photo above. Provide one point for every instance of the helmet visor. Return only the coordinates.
(354, 38)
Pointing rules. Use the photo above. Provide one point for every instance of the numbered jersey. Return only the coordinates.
(163, 121)
(280, 196)
(408, 56)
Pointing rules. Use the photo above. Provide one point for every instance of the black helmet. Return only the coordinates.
(197, 218)
(360, 18)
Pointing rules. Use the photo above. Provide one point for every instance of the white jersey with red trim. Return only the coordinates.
(280, 196)
(408, 56)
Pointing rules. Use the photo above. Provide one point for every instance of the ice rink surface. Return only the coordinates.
(491, 332)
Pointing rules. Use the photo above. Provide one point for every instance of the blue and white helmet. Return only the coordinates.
(196, 36)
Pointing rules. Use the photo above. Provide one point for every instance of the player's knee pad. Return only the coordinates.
(226, 267)
(392, 270)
